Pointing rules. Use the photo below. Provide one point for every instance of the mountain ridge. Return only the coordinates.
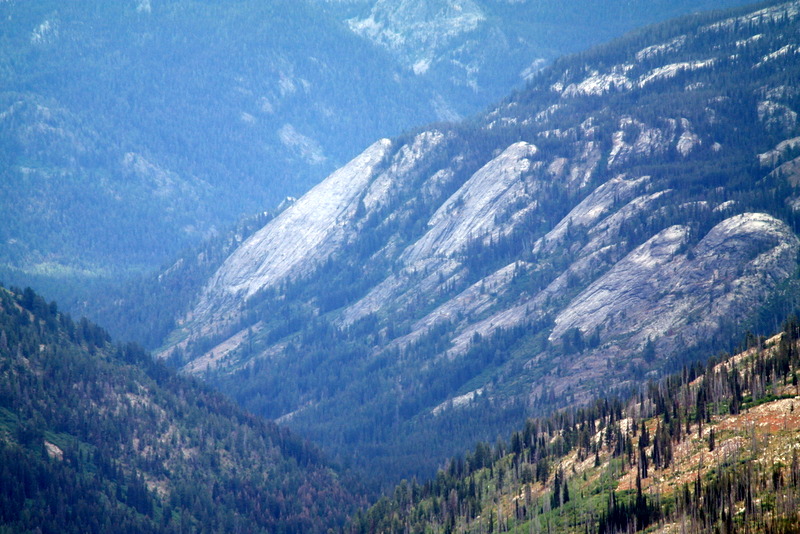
(604, 224)
(170, 120)
(452, 45)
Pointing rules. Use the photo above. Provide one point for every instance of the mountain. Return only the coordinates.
(96, 437)
(474, 51)
(712, 449)
(132, 130)
(633, 208)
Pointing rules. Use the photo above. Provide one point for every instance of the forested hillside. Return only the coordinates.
(632, 209)
(96, 437)
(714, 448)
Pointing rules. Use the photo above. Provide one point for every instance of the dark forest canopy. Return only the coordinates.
(98, 437)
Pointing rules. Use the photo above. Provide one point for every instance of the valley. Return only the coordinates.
(595, 230)
(416, 266)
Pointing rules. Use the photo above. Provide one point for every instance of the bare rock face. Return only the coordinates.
(471, 213)
(669, 290)
(298, 240)
(664, 287)
(315, 227)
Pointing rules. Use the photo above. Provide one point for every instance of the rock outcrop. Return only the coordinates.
(298, 240)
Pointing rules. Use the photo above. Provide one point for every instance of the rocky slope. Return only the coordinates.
(168, 121)
(632, 205)
(299, 239)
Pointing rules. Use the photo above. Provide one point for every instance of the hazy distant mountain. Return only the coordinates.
(634, 205)
(132, 129)
(473, 51)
